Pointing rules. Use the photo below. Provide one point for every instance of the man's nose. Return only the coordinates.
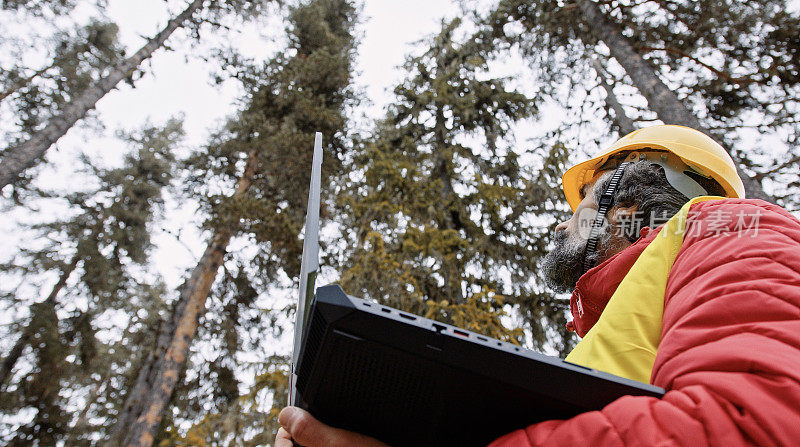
(562, 226)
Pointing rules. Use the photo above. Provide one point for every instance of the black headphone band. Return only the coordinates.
(606, 201)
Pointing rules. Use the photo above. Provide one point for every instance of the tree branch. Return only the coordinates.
(728, 77)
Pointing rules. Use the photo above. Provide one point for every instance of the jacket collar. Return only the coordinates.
(596, 286)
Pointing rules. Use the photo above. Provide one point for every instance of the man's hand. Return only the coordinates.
(306, 431)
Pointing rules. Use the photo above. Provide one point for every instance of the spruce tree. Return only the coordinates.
(91, 254)
(620, 121)
(441, 223)
(716, 66)
(19, 156)
(245, 180)
(70, 59)
(741, 62)
(77, 59)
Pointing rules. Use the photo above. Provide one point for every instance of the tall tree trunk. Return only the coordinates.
(19, 158)
(620, 119)
(16, 351)
(659, 97)
(141, 416)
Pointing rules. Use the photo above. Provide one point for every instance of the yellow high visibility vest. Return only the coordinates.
(625, 338)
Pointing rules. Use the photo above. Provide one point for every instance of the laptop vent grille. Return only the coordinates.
(381, 387)
(316, 332)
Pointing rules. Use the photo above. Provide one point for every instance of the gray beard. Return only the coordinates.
(563, 265)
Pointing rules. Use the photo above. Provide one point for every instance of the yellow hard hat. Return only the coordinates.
(701, 155)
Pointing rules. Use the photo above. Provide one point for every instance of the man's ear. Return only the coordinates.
(623, 214)
(627, 221)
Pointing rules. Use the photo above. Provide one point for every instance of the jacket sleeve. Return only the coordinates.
(730, 349)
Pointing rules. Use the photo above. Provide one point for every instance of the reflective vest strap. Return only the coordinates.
(625, 338)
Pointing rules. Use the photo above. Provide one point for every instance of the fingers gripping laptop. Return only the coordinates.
(408, 380)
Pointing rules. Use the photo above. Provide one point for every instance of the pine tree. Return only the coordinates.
(671, 57)
(744, 60)
(441, 220)
(19, 157)
(91, 254)
(102, 389)
(660, 97)
(70, 59)
(76, 60)
(245, 179)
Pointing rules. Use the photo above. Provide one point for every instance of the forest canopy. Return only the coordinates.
(153, 180)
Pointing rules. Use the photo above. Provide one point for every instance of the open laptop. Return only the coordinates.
(408, 380)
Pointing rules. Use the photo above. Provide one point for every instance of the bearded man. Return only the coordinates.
(677, 280)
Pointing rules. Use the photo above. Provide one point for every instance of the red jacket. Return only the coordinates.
(729, 355)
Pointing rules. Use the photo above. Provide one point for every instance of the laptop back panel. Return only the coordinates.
(407, 380)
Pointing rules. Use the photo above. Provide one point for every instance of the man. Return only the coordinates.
(673, 286)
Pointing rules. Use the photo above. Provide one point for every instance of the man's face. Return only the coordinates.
(563, 265)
